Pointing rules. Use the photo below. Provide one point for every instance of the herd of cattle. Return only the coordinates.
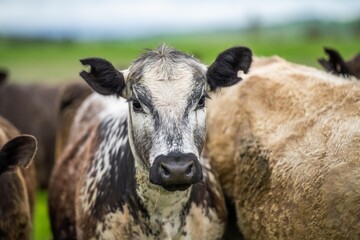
(247, 148)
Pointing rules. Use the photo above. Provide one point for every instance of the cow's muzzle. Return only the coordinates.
(176, 171)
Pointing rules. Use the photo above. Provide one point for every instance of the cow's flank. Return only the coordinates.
(287, 150)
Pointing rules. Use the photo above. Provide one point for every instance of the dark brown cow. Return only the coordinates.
(32, 109)
(70, 98)
(17, 186)
(338, 66)
(134, 168)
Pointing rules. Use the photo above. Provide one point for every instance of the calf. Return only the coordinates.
(133, 167)
(16, 186)
(287, 150)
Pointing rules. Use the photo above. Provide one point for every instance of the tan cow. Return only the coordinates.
(286, 144)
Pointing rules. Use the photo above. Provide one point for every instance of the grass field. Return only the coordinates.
(41, 223)
(57, 62)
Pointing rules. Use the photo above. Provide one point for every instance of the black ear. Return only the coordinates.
(223, 72)
(103, 77)
(19, 151)
(3, 76)
(335, 64)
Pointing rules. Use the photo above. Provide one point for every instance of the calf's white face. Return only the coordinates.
(166, 90)
(168, 110)
(167, 118)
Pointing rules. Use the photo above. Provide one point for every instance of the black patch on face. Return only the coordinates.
(196, 94)
(193, 100)
(142, 145)
(119, 187)
(142, 94)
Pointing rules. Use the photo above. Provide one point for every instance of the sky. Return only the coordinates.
(92, 19)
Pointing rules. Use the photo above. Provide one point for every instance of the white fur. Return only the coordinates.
(117, 110)
(170, 90)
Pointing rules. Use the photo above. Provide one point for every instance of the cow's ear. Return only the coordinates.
(335, 64)
(3, 76)
(224, 71)
(103, 77)
(18, 151)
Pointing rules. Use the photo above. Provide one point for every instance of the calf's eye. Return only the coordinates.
(201, 103)
(136, 105)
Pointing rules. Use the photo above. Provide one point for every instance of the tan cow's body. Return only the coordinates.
(286, 144)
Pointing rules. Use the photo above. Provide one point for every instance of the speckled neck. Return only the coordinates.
(156, 199)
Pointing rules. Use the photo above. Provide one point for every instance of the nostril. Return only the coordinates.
(164, 169)
(189, 169)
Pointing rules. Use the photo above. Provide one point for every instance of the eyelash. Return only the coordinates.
(202, 101)
(136, 105)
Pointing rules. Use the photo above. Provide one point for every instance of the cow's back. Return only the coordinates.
(288, 152)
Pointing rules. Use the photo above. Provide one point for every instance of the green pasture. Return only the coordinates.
(41, 220)
(56, 62)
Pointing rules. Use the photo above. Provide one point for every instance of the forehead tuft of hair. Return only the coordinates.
(163, 52)
(164, 57)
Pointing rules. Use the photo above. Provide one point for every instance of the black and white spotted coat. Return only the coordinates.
(102, 192)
